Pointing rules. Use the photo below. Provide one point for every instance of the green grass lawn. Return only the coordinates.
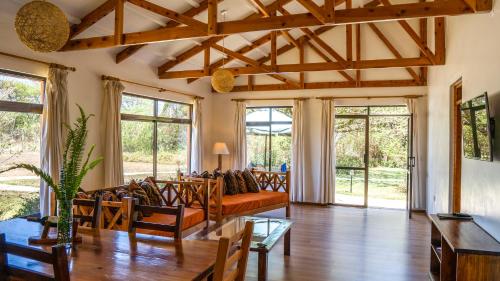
(383, 183)
(15, 204)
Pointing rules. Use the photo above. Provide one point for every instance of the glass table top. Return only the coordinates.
(266, 232)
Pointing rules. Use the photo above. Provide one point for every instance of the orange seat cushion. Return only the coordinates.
(192, 217)
(243, 202)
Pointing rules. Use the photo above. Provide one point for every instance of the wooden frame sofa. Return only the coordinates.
(274, 194)
(117, 215)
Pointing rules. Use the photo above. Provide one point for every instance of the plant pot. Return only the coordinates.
(65, 222)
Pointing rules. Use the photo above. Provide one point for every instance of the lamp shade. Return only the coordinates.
(220, 148)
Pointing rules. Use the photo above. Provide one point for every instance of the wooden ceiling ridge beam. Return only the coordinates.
(92, 17)
(196, 49)
(130, 50)
(345, 16)
(316, 66)
(393, 49)
(255, 64)
(173, 15)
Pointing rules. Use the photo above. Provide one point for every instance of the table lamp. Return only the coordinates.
(220, 148)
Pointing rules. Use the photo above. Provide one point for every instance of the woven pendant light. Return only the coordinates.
(42, 26)
(223, 79)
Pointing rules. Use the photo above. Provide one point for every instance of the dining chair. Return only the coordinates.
(136, 223)
(57, 258)
(232, 256)
(88, 210)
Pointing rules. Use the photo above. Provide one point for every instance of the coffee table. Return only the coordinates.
(266, 233)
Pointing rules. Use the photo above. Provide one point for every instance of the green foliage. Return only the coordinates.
(73, 170)
(16, 204)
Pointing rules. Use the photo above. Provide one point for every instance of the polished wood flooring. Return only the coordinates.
(350, 244)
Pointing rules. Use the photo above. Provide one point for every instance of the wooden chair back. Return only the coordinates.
(177, 211)
(232, 255)
(58, 259)
(88, 211)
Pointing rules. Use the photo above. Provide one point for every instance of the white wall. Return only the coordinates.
(473, 53)
(223, 128)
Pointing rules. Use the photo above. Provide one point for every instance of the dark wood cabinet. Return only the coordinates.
(462, 251)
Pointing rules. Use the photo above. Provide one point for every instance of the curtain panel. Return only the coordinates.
(298, 153)
(54, 117)
(240, 141)
(197, 144)
(111, 132)
(327, 165)
(418, 147)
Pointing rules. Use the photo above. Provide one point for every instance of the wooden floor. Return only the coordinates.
(351, 244)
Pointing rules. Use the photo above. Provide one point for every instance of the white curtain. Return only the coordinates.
(418, 184)
(240, 137)
(327, 168)
(111, 132)
(55, 116)
(298, 152)
(197, 144)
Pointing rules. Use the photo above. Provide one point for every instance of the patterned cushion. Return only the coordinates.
(231, 183)
(251, 181)
(137, 192)
(152, 191)
(242, 185)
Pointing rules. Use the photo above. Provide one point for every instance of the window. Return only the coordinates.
(156, 137)
(269, 137)
(20, 130)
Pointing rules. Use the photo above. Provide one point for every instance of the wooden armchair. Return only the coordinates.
(88, 211)
(58, 259)
(232, 256)
(137, 223)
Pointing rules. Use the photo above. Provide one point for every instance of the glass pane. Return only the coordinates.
(137, 142)
(18, 89)
(173, 110)
(283, 114)
(258, 147)
(19, 143)
(387, 182)
(350, 142)
(258, 115)
(351, 110)
(388, 110)
(475, 126)
(350, 187)
(137, 105)
(173, 148)
(281, 147)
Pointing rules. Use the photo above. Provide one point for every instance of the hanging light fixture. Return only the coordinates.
(42, 26)
(223, 79)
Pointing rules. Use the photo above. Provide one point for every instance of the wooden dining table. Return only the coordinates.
(117, 255)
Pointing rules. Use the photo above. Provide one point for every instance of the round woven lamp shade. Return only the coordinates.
(223, 80)
(42, 26)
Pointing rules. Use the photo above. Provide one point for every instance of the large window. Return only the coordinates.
(156, 137)
(20, 112)
(269, 137)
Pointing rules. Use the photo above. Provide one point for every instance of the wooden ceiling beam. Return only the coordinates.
(327, 59)
(212, 17)
(260, 7)
(329, 85)
(173, 15)
(119, 20)
(318, 66)
(346, 16)
(316, 10)
(92, 17)
(130, 50)
(393, 49)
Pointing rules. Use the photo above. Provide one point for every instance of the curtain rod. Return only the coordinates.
(297, 98)
(39, 61)
(161, 90)
(369, 97)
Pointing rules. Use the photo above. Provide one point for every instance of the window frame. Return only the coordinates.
(269, 124)
(155, 119)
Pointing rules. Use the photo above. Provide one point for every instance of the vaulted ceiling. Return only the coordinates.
(272, 44)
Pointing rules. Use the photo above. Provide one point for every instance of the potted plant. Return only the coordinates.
(73, 170)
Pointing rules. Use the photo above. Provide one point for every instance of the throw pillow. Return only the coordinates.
(242, 186)
(251, 181)
(152, 191)
(231, 183)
